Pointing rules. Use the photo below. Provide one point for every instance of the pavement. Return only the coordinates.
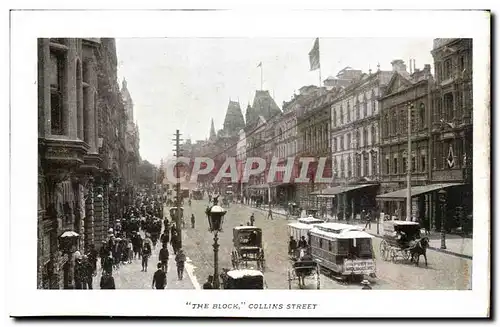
(444, 272)
(130, 276)
(455, 245)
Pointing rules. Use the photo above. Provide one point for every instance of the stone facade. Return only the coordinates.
(73, 162)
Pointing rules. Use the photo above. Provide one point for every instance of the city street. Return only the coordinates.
(443, 272)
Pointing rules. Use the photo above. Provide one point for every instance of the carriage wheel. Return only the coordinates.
(406, 254)
(384, 250)
(289, 280)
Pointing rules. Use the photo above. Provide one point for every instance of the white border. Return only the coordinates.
(24, 299)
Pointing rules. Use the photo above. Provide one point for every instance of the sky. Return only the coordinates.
(182, 83)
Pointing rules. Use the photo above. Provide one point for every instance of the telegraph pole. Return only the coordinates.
(178, 217)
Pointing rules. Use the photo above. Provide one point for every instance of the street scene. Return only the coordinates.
(255, 164)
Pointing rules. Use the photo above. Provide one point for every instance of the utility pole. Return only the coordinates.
(178, 220)
(408, 167)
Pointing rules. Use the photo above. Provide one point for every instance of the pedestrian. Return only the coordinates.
(163, 257)
(107, 264)
(165, 237)
(208, 285)
(252, 219)
(88, 272)
(192, 220)
(180, 259)
(270, 213)
(107, 281)
(292, 245)
(103, 252)
(368, 219)
(92, 255)
(159, 278)
(130, 250)
(146, 253)
(366, 285)
(78, 271)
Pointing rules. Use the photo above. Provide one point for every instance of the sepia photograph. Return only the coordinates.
(264, 162)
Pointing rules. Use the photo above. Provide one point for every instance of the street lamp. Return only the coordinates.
(442, 199)
(215, 215)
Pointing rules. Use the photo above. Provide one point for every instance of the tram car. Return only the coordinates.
(344, 250)
(302, 226)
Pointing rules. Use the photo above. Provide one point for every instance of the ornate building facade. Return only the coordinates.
(80, 150)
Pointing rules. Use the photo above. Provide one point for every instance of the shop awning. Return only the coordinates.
(258, 187)
(332, 191)
(416, 190)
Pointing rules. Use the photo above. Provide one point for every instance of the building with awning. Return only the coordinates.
(400, 195)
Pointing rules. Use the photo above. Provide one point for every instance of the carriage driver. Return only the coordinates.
(292, 245)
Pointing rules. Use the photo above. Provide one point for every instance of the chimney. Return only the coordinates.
(398, 65)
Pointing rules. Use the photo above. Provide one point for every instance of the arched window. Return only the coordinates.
(348, 112)
(349, 166)
(365, 106)
(394, 121)
(421, 115)
(342, 166)
(365, 164)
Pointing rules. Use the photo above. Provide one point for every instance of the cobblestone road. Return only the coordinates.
(444, 271)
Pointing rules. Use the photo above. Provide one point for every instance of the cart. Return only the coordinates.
(302, 269)
(247, 247)
(397, 240)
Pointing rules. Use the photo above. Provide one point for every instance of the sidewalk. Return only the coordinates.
(455, 244)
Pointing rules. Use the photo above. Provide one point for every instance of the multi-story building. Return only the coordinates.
(78, 157)
(406, 93)
(313, 126)
(452, 127)
(354, 133)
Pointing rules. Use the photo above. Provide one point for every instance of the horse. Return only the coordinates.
(419, 248)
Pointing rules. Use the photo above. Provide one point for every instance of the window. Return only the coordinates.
(395, 165)
(358, 109)
(349, 145)
(56, 77)
(374, 103)
(394, 122)
(330, 246)
(462, 63)
(342, 167)
(374, 163)
(334, 144)
(448, 106)
(358, 139)
(365, 107)
(348, 112)
(403, 122)
(447, 69)
(421, 114)
(334, 116)
(79, 98)
(386, 125)
(358, 165)
(349, 166)
(413, 162)
(341, 114)
(374, 136)
(404, 168)
(365, 164)
(387, 165)
(365, 136)
(414, 126)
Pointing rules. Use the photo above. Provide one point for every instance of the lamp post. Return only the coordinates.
(442, 199)
(215, 215)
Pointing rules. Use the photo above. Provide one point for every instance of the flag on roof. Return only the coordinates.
(314, 56)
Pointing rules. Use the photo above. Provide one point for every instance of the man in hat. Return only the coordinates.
(366, 285)
(107, 281)
(180, 259)
(192, 220)
(252, 219)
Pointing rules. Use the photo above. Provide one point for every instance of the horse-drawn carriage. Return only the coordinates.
(301, 229)
(242, 279)
(247, 241)
(402, 241)
(302, 268)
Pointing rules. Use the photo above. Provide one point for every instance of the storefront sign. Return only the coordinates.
(359, 266)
